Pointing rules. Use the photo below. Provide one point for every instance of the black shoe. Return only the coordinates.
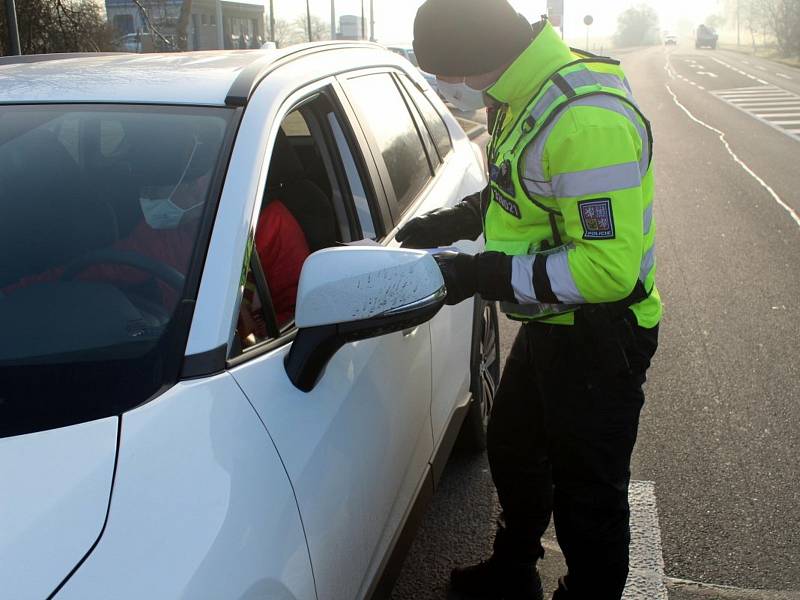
(496, 579)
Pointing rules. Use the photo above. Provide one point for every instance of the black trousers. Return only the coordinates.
(560, 439)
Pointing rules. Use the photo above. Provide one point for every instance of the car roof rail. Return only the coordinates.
(252, 75)
(21, 59)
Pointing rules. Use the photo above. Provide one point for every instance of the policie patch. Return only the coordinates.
(597, 219)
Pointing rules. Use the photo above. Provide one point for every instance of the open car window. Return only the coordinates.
(315, 197)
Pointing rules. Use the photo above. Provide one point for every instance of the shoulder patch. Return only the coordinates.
(597, 219)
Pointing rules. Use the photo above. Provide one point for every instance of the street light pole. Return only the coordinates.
(272, 20)
(363, 22)
(738, 24)
(13, 29)
(371, 20)
(308, 19)
(333, 19)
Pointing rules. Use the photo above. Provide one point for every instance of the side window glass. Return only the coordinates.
(357, 191)
(433, 120)
(379, 103)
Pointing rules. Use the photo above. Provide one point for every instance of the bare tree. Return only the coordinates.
(320, 29)
(288, 33)
(778, 19)
(47, 26)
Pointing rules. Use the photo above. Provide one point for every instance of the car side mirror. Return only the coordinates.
(356, 293)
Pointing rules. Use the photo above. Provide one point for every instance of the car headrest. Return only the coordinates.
(285, 165)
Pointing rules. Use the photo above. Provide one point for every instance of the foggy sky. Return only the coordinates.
(394, 18)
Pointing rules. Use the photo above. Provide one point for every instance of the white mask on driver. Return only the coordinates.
(461, 96)
(163, 213)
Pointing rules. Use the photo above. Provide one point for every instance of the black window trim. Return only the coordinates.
(408, 83)
(434, 160)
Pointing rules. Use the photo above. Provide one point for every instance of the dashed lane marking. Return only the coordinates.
(646, 579)
(748, 75)
(792, 212)
(760, 101)
(783, 75)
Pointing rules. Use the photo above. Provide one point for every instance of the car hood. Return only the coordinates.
(55, 491)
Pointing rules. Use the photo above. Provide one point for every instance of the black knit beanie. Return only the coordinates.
(459, 38)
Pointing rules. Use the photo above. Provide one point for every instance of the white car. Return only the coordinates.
(179, 417)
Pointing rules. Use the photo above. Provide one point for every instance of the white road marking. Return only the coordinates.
(646, 579)
(792, 212)
(732, 68)
(782, 75)
(709, 73)
(785, 122)
(763, 102)
(777, 115)
(760, 68)
(776, 103)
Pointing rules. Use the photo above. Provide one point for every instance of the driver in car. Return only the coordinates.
(172, 197)
(166, 231)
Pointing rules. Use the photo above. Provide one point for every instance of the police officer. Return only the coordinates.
(570, 252)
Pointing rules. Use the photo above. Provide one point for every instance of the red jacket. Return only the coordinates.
(283, 249)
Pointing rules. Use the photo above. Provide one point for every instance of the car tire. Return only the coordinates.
(485, 376)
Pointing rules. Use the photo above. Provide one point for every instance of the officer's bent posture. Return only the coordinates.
(570, 252)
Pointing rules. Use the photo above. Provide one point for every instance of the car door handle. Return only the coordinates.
(410, 333)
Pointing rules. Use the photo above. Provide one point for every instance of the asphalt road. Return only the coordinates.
(720, 433)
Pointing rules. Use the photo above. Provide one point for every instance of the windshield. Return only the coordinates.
(100, 217)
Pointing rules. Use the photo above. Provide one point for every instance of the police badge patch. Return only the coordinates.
(597, 219)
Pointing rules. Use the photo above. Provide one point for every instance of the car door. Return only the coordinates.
(445, 171)
(357, 446)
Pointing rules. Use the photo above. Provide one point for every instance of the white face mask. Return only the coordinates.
(163, 213)
(461, 96)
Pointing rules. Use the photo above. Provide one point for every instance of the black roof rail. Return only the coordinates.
(22, 59)
(249, 78)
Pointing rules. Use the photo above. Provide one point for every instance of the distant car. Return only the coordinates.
(132, 42)
(155, 442)
(671, 40)
(706, 37)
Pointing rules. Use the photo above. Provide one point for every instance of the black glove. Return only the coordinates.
(442, 227)
(487, 274)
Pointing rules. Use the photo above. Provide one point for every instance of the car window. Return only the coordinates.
(307, 206)
(100, 220)
(433, 120)
(383, 110)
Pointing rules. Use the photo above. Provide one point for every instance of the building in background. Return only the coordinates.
(242, 24)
